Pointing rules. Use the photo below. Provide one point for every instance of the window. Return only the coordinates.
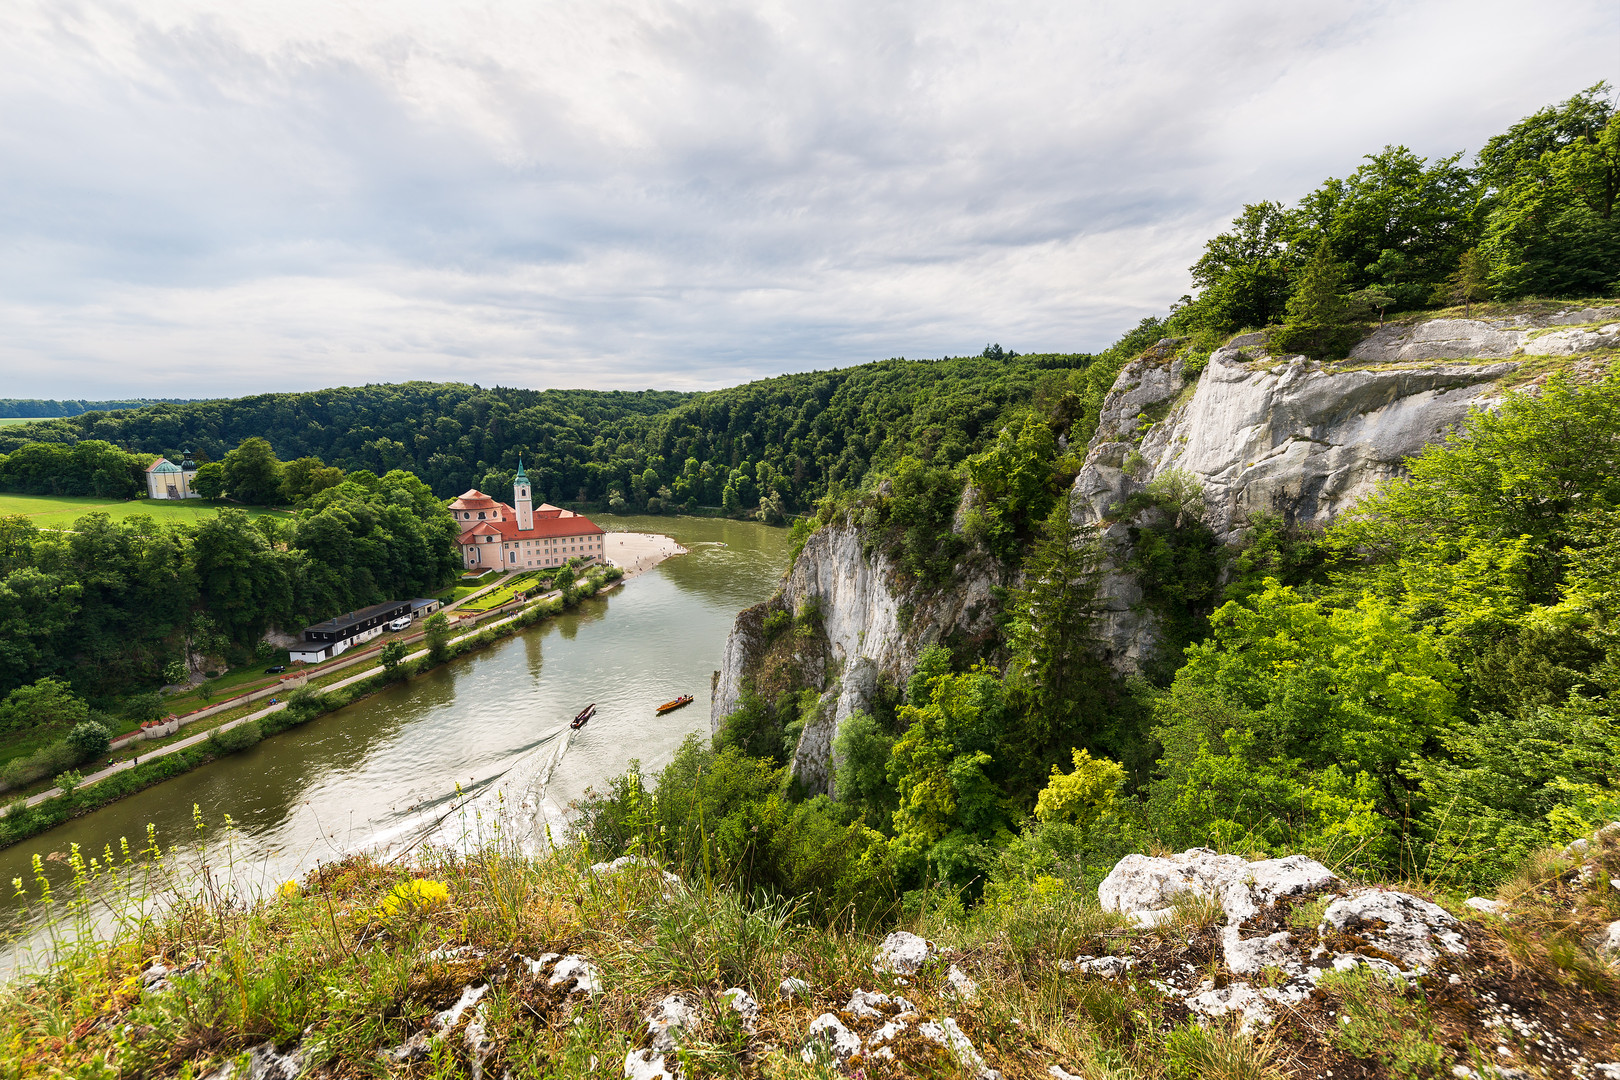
(480, 515)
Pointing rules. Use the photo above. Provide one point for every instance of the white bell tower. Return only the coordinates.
(522, 501)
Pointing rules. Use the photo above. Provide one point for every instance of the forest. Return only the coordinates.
(1426, 690)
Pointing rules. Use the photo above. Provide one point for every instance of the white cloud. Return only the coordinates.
(201, 199)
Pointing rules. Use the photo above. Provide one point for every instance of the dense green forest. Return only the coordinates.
(784, 440)
(44, 407)
(1426, 690)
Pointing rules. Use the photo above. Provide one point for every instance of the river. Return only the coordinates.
(495, 722)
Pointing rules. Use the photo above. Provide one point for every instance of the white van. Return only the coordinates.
(401, 623)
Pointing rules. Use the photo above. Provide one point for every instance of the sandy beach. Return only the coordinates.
(637, 553)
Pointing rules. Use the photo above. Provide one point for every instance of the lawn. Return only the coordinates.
(61, 511)
(524, 582)
(5, 420)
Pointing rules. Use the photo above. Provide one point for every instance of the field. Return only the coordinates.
(4, 420)
(57, 512)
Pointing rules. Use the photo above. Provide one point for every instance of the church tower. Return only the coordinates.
(522, 501)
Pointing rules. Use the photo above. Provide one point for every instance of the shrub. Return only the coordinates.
(88, 740)
(240, 737)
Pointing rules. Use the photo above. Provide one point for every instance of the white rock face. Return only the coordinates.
(743, 1004)
(578, 971)
(1145, 888)
(1291, 437)
(1406, 927)
(630, 862)
(264, 1062)
(1250, 956)
(948, 1034)
(902, 953)
(1608, 943)
(1489, 339)
(962, 983)
(860, 615)
(868, 1004)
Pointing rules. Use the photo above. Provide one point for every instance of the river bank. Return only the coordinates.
(25, 818)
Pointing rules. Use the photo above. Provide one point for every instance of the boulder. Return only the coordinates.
(743, 1004)
(264, 1062)
(579, 972)
(1488, 906)
(1145, 888)
(960, 982)
(902, 953)
(646, 1065)
(667, 1020)
(791, 988)
(949, 1034)
(828, 1033)
(1409, 928)
(869, 1005)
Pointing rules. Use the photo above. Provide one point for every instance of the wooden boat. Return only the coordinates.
(584, 714)
(670, 706)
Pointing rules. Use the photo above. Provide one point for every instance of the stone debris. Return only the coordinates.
(1145, 888)
(579, 971)
(791, 988)
(1488, 906)
(743, 1004)
(450, 1017)
(630, 862)
(156, 978)
(868, 1004)
(828, 1033)
(668, 1019)
(1058, 1072)
(1412, 930)
(264, 1062)
(477, 1040)
(962, 983)
(1253, 1005)
(948, 1034)
(902, 953)
(646, 1065)
(1607, 945)
(1109, 967)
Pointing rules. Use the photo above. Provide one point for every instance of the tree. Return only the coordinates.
(1244, 275)
(209, 480)
(437, 630)
(1468, 283)
(1372, 298)
(42, 706)
(305, 477)
(1053, 615)
(1083, 796)
(88, 740)
(392, 654)
(252, 473)
(1318, 321)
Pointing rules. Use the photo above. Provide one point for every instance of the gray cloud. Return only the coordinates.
(199, 199)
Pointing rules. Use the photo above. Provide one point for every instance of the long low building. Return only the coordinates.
(334, 636)
(495, 536)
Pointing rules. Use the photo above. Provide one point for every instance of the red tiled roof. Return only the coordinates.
(544, 528)
(472, 499)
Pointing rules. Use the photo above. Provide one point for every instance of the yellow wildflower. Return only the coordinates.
(419, 894)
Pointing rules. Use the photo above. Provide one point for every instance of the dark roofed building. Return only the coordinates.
(327, 639)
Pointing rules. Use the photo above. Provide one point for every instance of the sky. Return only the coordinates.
(205, 200)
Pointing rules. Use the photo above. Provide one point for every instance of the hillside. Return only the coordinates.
(786, 439)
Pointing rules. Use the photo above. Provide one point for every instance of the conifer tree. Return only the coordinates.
(1318, 316)
(1470, 282)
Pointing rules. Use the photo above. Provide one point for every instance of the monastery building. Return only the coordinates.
(495, 536)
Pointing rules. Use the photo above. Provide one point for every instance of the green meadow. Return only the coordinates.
(57, 512)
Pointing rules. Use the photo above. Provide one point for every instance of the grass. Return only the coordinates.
(61, 511)
(364, 953)
(7, 421)
(524, 582)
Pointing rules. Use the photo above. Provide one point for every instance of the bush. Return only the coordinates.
(88, 740)
(240, 737)
(46, 761)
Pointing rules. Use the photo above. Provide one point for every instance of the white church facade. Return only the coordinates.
(166, 480)
(522, 536)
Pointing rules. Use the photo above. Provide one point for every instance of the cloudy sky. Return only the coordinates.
(205, 199)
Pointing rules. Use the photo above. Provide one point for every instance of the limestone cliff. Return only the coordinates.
(1294, 437)
(864, 626)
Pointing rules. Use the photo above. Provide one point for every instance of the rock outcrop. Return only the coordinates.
(869, 627)
(1289, 436)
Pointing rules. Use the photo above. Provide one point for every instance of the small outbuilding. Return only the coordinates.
(421, 609)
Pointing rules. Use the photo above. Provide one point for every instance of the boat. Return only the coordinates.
(584, 714)
(670, 706)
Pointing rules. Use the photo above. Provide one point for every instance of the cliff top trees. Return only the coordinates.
(1318, 315)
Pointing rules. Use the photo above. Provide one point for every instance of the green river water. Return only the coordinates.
(384, 771)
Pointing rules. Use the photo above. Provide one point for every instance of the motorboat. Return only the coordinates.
(584, 714)
(671, 706)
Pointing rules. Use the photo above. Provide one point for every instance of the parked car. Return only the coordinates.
(401, 623)
(277, 670)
